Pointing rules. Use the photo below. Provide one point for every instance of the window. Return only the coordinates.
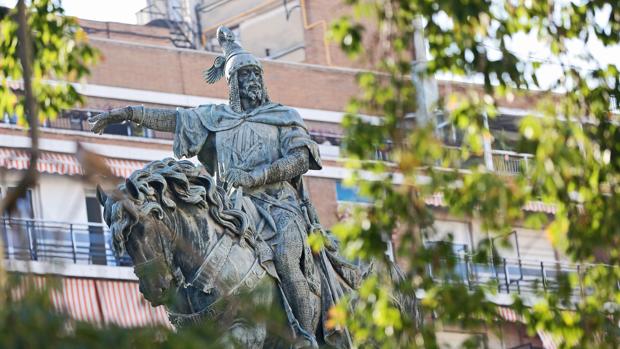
(349, 194)
(451, 250)
(23, 206)
(18, 233)
(9, 119)
(122, 129)
(97, 250)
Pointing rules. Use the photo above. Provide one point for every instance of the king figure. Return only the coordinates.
(258, 151)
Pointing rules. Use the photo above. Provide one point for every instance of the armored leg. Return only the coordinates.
(288, 260)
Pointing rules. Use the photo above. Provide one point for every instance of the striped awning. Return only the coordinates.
(109, 302)
(117, 297)
(63, 164)
(510, 315)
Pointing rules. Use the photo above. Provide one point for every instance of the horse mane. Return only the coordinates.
(164, 184)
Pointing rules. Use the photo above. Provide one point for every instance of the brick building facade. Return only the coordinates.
(140, 65)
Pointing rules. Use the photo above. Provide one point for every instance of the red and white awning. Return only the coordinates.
(122, 304)
(63, 164)
(509, 314)
(545, 337)
(435, 200)
(109, 302)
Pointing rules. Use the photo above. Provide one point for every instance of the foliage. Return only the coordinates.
(573, 136)
(30, 321)
(61, 54)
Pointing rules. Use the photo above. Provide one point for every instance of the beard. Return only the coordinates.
(252, 92)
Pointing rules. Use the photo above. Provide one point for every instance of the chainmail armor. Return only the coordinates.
(284, 169)
(158, 119)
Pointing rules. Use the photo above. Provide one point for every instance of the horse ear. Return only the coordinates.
(101, 195)
(131, 188)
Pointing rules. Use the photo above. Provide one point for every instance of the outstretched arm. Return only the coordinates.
(154, 118)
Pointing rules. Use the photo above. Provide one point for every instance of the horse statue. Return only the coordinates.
(194, 252)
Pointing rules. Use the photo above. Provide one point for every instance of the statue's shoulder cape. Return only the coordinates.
(194, 126)
(220, 117)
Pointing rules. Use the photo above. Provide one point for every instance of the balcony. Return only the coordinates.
(504, 162)
(77, 120)
(509, 162)
(515, 275)
(37, 240)
(91, 244)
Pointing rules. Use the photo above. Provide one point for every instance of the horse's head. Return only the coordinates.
(166, 216)
(140, 231)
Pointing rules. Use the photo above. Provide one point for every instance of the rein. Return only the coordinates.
(205, 278)
(165, 257)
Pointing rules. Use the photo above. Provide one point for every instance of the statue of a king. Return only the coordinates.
(262, 148)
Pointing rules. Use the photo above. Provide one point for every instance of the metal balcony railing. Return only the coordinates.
(37, 240)
(77, 120)
(504, 161)
(510, 162)
(520, 276)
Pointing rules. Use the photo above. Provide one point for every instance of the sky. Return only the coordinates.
(123, 11)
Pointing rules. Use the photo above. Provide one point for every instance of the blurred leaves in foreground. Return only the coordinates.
(61, 55)
(571, 131)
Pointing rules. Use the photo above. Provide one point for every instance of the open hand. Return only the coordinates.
(239, 178)
(100, 121)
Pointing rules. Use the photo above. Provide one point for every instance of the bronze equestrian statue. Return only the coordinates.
(256, 151)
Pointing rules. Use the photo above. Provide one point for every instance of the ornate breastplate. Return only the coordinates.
(247, 146)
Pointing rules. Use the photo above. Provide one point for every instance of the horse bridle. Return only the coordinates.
(166, 257)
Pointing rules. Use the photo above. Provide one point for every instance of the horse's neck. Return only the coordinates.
(203, 237)
(196, 238)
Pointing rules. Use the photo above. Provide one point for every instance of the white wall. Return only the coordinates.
(534, 244)
(459, 230)
(62, 198)
(218, 15)
(271, 30)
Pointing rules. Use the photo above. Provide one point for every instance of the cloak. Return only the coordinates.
(195, 126)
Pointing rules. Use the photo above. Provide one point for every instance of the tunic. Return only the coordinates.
(224, 139)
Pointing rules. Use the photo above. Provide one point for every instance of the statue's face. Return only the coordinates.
(250, 83)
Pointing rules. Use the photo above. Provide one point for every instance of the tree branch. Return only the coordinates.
(25, 57)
